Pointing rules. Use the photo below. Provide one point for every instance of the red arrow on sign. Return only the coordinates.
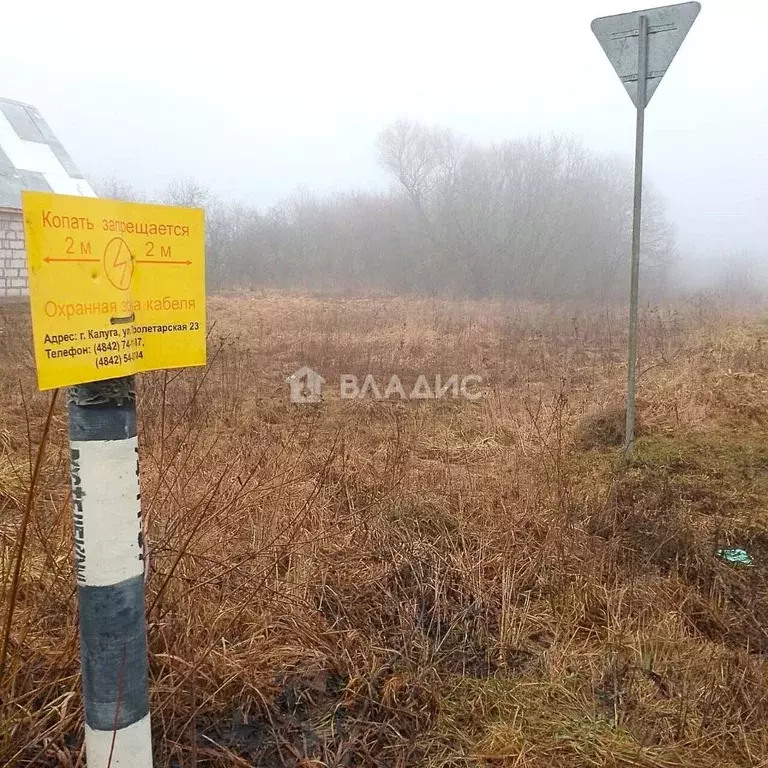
(149, 261)
(48, 260)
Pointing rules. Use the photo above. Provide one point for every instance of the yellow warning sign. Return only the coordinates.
(115, 288)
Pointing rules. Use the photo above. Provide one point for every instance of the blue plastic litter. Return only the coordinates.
(735, 556)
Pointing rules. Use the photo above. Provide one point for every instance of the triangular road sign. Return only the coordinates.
(619, 36)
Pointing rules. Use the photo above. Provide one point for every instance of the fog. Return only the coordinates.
(255, 101)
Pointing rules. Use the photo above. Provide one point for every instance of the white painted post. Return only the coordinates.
(109, 559)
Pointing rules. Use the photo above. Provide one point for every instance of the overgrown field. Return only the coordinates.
(433, 583)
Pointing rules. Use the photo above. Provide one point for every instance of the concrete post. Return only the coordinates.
(109, 559)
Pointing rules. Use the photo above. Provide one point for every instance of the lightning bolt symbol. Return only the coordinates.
(122, 261)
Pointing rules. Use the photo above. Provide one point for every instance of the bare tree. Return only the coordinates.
(113, 188)
(424, 160)
(187, 193)
(540, 218)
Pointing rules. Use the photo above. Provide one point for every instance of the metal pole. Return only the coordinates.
(642, 76)
(109, 566)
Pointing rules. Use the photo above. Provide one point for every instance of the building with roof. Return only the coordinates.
(31, 157)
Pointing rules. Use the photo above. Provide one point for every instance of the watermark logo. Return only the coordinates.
(307, 387)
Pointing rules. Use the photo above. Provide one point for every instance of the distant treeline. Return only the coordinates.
(537, 219)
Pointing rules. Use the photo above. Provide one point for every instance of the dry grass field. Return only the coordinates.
(433, 583)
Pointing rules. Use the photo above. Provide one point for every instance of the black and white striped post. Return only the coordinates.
(109, 558)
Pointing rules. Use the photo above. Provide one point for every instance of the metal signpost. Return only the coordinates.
(115, 289)
(641, 46)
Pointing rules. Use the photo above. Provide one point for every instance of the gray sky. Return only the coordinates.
(256, 99)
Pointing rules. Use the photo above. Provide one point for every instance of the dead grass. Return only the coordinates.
(444, 583)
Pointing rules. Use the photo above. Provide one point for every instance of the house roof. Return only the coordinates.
(31, 157)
